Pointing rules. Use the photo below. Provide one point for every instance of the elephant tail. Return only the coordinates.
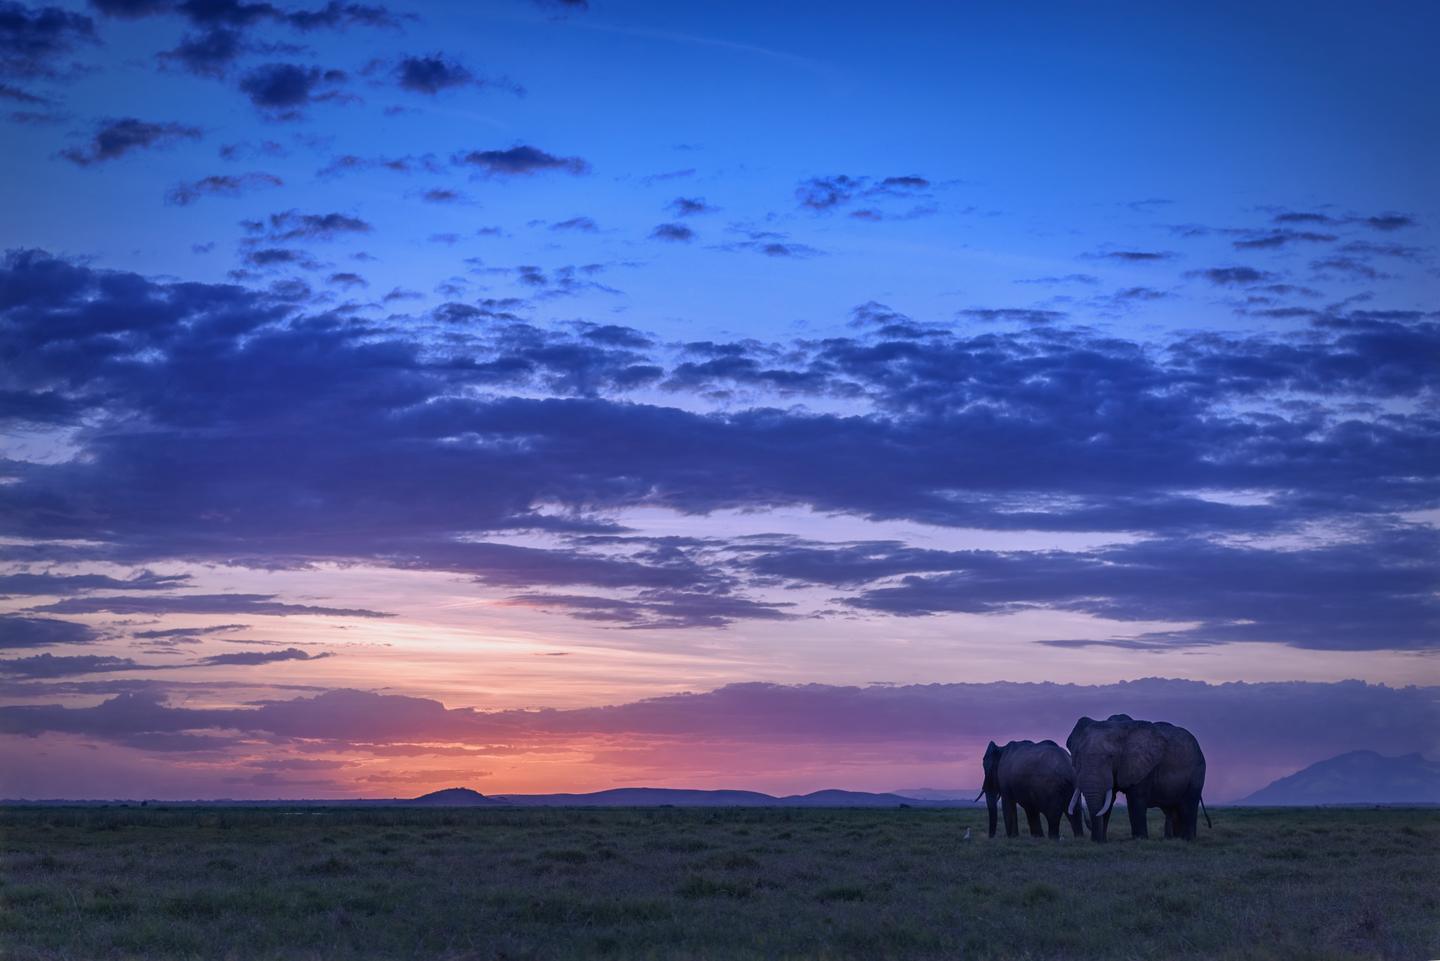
(1207, 815)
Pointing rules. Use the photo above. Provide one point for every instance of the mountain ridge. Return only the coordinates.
(613, 797)
(1355, 777)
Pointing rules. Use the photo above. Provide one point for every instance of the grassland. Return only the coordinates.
(78, 883)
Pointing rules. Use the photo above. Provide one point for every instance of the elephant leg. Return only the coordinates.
(1190, 819)
(1076, 827)
(1138, 826)
(1052, 822)
(1012, 821)
(1171, 817)
(1032, 818)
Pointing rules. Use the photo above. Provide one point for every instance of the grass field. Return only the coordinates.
(78, 883)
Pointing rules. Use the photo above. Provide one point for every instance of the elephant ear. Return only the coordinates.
(1144, 749)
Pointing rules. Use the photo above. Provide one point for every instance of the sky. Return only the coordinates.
(558, 396)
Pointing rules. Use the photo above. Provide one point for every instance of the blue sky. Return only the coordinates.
(1037, 127)
(480, 357)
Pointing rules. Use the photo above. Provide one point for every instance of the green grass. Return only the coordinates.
(96, 883)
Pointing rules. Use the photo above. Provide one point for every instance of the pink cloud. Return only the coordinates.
(770, 736)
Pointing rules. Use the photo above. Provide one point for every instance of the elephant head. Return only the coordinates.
(991, 786)
(1110, 756)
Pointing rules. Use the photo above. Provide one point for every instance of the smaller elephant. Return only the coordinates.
(1038, 778)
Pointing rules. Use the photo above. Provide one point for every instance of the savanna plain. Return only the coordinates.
(313, 883)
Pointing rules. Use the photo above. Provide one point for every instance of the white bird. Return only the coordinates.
(967, 835)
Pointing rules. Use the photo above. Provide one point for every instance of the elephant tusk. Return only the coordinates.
(979, 796)
(1074, 800)
(1109, 799)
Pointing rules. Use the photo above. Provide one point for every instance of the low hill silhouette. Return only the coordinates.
(1359, 777)
(453, 797)
(680, 797)
(615, 797)
(937, 793)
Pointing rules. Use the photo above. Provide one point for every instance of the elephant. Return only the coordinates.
(1155, 764)
(1037, 777)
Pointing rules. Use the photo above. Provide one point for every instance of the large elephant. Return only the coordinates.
(1155, 764)
(1037, 777)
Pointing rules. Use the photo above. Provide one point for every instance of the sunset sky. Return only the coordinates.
(541, 396)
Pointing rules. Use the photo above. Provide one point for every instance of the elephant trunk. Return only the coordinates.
(1098, 791)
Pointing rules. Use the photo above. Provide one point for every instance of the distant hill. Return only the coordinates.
(452, 797)
(937, 793)
(644, 797)
(616, 797)
(679, 797)
(1359, 777)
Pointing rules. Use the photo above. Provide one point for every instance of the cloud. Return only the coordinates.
(1306, 217)
(673, 233)
(778, 249)
(1349, 266)
(174, 632)
(1133, 294)
(652, 179)
(16, 95)
(690, 206)
(251, 658)
(334, 15)
(1384, 221)
(1366, 248)
(824, 193)
(657, 609)
(18, 631)
(566, 280)
(1376, 593)
(207, 54)
(442, 195)
(115, 138)
(1251, 733)
(52, 666)
(875, 215)
(1275, 239)
(434, 73)
(581, 224)
(1389, 221)
(521, 160)
(131, 9)
(263, 604)
(1137, 256)
(34, 39)
(821, 194)
(770, 243)
(290, 225)
(1088, 279)
(1232, 276)
(264, 257)
(1197, 443)
(220, 185)
(282, 90)
(1022, 314)
(49, 665)
(348, 280)
(350, 163)
(61, 584)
